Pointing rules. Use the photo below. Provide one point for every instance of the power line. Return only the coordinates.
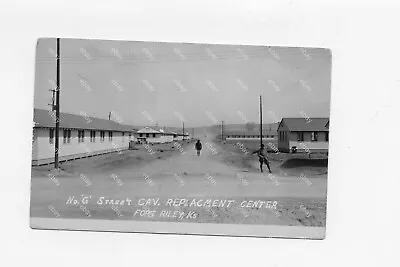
(175, 55)
(78, 60)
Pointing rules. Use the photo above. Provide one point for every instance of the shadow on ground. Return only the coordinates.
(296, 163)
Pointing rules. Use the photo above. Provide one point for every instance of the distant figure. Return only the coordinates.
(262, 158)
(198, 147)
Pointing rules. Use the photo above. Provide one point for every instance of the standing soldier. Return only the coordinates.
(262, 158)
(198, 147)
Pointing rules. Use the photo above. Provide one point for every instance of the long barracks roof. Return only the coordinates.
(309, 124)
(249, 133)
(148, 130)
(46, 119)
(166, 132)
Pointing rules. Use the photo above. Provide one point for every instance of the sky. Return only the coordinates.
(163, 84)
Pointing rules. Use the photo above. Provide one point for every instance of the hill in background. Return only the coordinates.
(215, 130)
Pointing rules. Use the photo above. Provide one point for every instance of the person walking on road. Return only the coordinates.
(262, 158)
(198, 147)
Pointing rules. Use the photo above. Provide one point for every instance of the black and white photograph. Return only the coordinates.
(180, 138)
(199, 133)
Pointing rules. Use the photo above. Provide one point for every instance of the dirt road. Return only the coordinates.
(184, 175)
(205, 175)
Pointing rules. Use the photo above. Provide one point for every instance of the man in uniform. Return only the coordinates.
(262, 158)
(198, 147)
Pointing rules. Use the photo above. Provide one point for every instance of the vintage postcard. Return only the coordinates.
(180, 138)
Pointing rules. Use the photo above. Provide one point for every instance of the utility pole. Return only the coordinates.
(222, 130)
(183, 130)
(56, 163)
(260, 122)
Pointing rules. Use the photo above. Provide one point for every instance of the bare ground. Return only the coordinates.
(222, 171)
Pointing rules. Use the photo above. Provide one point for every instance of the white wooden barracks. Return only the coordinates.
(79, 136)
